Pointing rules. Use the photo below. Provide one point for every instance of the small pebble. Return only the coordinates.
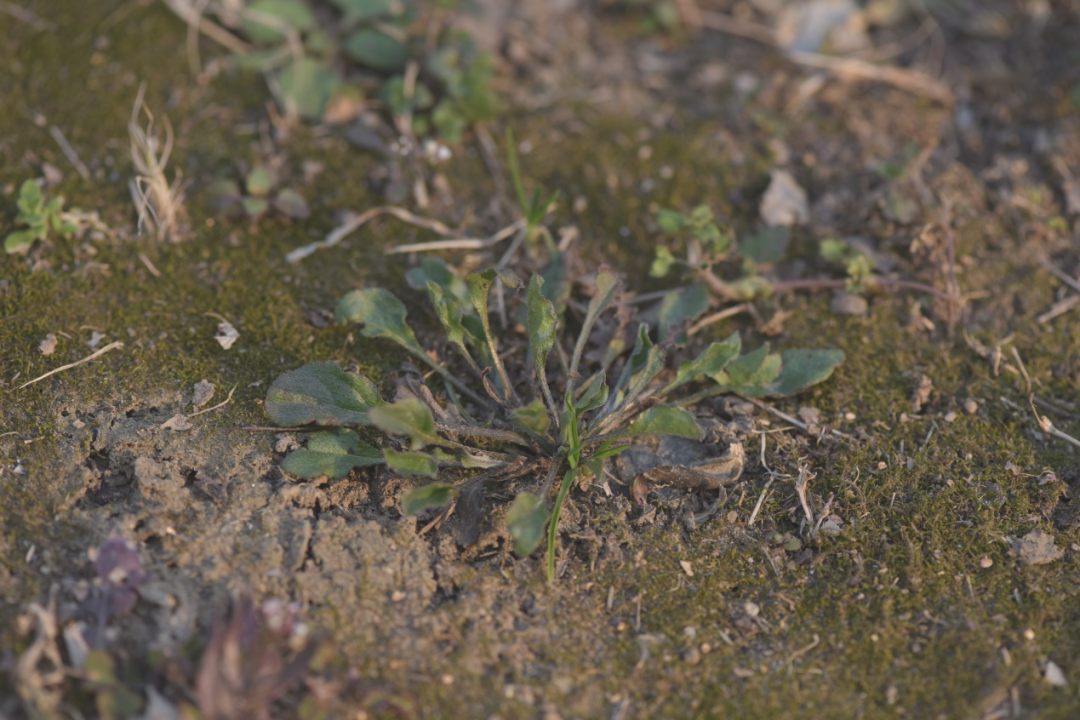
(1029, 634)
(950, 416)
(692, 656)
(970, 406)
(397, 596)
(986, 562)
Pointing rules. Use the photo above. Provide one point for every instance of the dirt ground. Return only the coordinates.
(930, 588)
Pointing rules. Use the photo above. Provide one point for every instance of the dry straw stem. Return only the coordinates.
(62, 368)
(159, 203)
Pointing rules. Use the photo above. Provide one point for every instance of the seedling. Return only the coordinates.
(533, 210)
(41, 219)
(258, 196)
(532, 418)
(707, 247)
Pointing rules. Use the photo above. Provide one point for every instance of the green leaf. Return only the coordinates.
(432, 269)
(594, 396)
(430, 496)
(381, 315)
(803, 368)
(645, 361)
(701, 216)
(406, 417)
(671, 221)
(759, 367)
(321, 393)
(533, 416)
(19, 241)
(480, 285)
(333, 453)
(711, 361)
(542, 324)
(526, 519)
(605, 286)
(306, 85)
(661, 264)
(291, 13)
(834, 250)
(412, 463)
(665, 420)
(449, 314)
(376, 50)
(680, 307)
(768, 246)
(556, 283)
(99, 668)
(291, 204)
(255, 206)
(260, 181)
(360, 10)
(29, 202)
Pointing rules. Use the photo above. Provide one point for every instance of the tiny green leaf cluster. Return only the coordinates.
(41, 219)
(858, 267)
(557, 411)
(258, 196)
(311, 58)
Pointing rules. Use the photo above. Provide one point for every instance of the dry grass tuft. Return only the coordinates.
(159, 203)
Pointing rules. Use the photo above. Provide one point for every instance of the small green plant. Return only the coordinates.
(258, 196)
(533, 210)
(41, 219)
(568, 402)
(858, 267)
(731, 270)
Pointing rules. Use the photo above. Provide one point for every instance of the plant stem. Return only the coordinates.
(439, 368)
(492, 433)
(553, 524)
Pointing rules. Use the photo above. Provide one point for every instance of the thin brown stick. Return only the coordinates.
(62, 368)
(717, 317)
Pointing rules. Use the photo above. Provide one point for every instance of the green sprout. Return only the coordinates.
(533, 210)
(41, 219)
(553, 415)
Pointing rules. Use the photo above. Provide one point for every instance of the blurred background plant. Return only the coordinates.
(401, 56)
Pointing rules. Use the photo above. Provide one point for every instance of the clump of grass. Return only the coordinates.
(159, 203)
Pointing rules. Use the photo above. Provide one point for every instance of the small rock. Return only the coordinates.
(48, 346)
(845, 303)
(692, 656)
(950, 416)
(687, 568)
(971, 407)
(986, 562)
(810, 415)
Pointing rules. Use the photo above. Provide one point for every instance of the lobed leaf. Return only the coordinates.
(412, 463)
(406, 417)
(526, 520)
(381, 314)
(430, 496)
(333, 453)
(321, 393)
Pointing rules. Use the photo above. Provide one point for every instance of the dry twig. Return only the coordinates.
(62, 368)
(158, 202)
